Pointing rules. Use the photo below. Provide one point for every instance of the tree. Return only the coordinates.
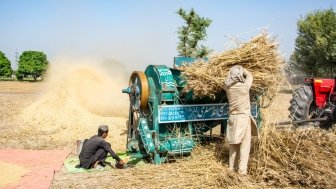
(191, 34)
(32, 63)
(5, 66)
(315, 46)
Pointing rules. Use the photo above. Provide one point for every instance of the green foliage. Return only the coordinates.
(191, 34)
(5, 66)
(315, 51)
(32, 63)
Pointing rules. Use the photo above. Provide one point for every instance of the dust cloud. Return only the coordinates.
(88, 86)
(77, 96)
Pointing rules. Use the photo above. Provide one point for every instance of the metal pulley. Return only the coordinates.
(138, 95)
(137, 90)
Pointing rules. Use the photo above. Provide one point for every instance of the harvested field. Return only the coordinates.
(54, 114)
(207, 168)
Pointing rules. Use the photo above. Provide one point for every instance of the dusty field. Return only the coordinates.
(46, 132)
(54, 114)
(18, 97)
(14, 97)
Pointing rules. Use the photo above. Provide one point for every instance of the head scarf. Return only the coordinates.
(236, 74)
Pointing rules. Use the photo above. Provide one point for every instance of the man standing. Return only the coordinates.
(238, 133)
(95, 149)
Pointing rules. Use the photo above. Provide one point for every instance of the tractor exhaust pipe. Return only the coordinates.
(301, 121)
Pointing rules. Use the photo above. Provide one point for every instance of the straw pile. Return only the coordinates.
(259, 56)
(304, 157)
(299, 157)
(200, 170)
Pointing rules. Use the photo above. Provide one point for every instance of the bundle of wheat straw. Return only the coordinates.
(259, 56)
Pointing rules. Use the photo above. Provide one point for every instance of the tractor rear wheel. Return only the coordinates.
(301, 105)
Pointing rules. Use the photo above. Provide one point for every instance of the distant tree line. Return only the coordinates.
(32, 64)
(5, 66)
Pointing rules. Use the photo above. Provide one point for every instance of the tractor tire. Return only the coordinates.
(301, 104)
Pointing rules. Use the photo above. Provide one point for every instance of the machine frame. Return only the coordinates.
(166, 121)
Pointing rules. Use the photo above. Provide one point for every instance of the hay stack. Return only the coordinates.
(259, 56)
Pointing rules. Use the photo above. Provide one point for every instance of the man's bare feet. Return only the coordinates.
(95, 165)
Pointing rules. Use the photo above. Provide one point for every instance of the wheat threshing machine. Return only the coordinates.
(166, 121)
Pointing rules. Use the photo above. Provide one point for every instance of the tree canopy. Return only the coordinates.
(191, 34)
(5, 66)
(315, 46)
(32, 63)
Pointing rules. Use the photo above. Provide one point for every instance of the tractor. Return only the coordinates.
(314, 101)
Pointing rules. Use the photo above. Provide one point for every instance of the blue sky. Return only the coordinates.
(139, 33)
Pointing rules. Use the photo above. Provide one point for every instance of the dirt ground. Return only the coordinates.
(16, 132)
(11, 173)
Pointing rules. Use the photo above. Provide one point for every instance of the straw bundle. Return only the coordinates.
(259, 56)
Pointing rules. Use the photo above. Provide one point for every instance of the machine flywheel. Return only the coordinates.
(139, 90)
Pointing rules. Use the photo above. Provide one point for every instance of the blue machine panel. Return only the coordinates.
(203, 112)
(178, 61)
(166, 78)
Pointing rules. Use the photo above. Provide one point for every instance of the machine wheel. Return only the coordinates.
(139, 86)
(138, 95)
(301, 106)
